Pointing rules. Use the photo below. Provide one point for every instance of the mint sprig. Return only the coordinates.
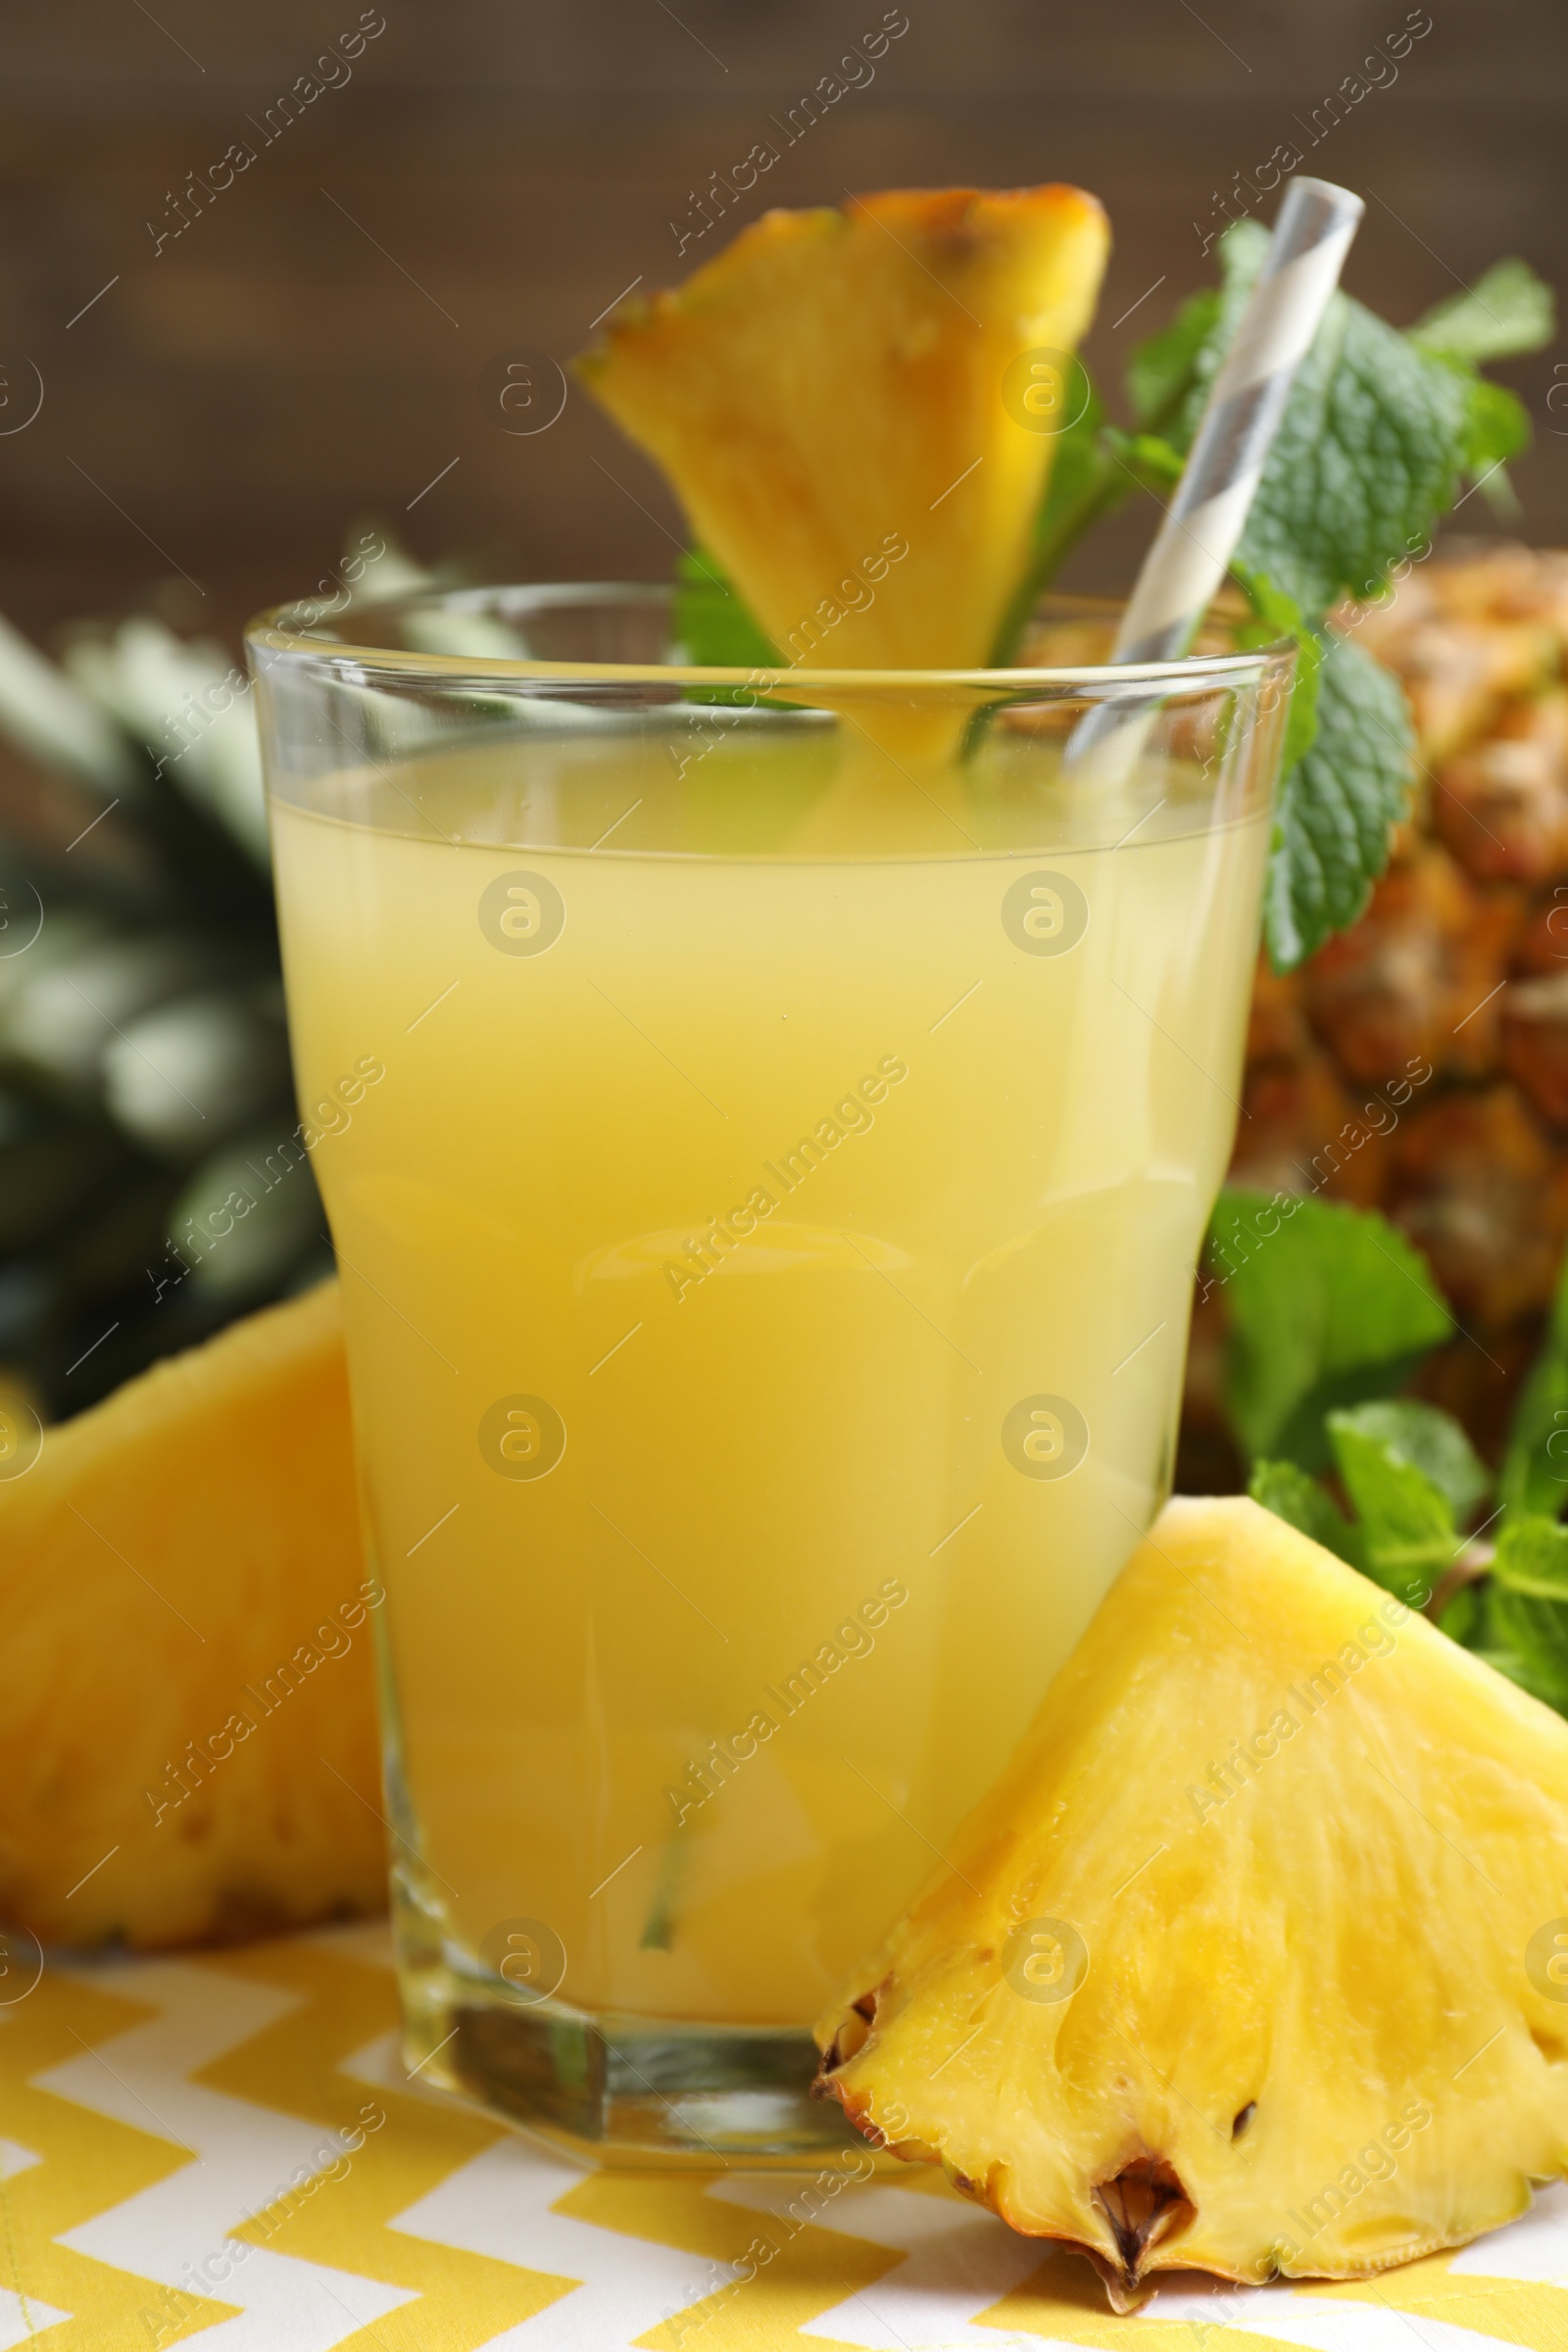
(1505, 312)
(1328, 1306)
(1312, 1325)
(1369, 453)
(1412, 1479)
(1339, 800)
(1379, 431)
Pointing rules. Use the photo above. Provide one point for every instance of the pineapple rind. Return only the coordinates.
(828, 390)
(1340, 1940)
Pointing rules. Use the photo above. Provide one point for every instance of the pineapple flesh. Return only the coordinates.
(858, 409)
(1253, 1963)
(187, 1716)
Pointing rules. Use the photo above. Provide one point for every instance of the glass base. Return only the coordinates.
(610, 2085)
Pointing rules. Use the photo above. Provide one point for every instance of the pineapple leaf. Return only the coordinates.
(50, 718)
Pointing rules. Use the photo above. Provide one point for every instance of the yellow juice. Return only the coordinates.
(766, 1241)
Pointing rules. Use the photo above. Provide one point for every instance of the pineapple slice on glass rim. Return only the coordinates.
(858, 408)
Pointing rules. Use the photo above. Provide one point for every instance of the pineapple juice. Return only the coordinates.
(767, 1261)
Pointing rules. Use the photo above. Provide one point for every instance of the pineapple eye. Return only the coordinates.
(1144, 2205)
(850, 2039)
(1244, 2119)
(855, 2031)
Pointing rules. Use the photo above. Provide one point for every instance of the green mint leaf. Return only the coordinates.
(1095, 468)
(1085, 483)
(1162, 370)
(1369, 452)
(1408, 1537)
(1428, 1441)
(1283, 616)
(1531, 1557)
(1077, 465)
(1527, 1640)
(1517, 1619)
(1328, 1306)
(1338, 805)
(1241, 257)
(1287, 1491)
(715, 627)
(1154, 463)
(1379, 430)
(1411, 1474)
(1535, 1468)
(1499, 426)
(1534, 1465)
(1464, 1618)
(1507, 311)
(1368, 455)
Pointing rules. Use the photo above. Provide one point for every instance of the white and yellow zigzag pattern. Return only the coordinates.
(173, 2165)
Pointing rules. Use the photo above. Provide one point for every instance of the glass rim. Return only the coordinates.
(274, 635)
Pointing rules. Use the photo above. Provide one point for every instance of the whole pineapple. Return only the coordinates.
(1418, 1063)
(144, 1074)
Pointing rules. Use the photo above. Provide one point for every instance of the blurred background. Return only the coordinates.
(216, 373)
(314, 345)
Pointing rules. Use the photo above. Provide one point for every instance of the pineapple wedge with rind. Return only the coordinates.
(830, 397)
(187, 1709)
(1256, 1961)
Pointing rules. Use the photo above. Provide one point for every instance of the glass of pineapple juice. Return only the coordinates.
(767, 1123)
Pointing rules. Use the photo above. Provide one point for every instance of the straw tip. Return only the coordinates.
(1344, 201)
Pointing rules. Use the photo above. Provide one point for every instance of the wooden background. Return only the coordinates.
(312, 349)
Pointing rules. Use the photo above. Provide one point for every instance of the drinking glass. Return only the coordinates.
(767, 1122)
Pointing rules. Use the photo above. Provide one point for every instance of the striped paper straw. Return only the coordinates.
(1207, 517)
(1247, 400)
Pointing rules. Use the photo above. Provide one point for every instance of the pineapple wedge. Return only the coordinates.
(187, 1712)
(1254, 1962)
(831, 398)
